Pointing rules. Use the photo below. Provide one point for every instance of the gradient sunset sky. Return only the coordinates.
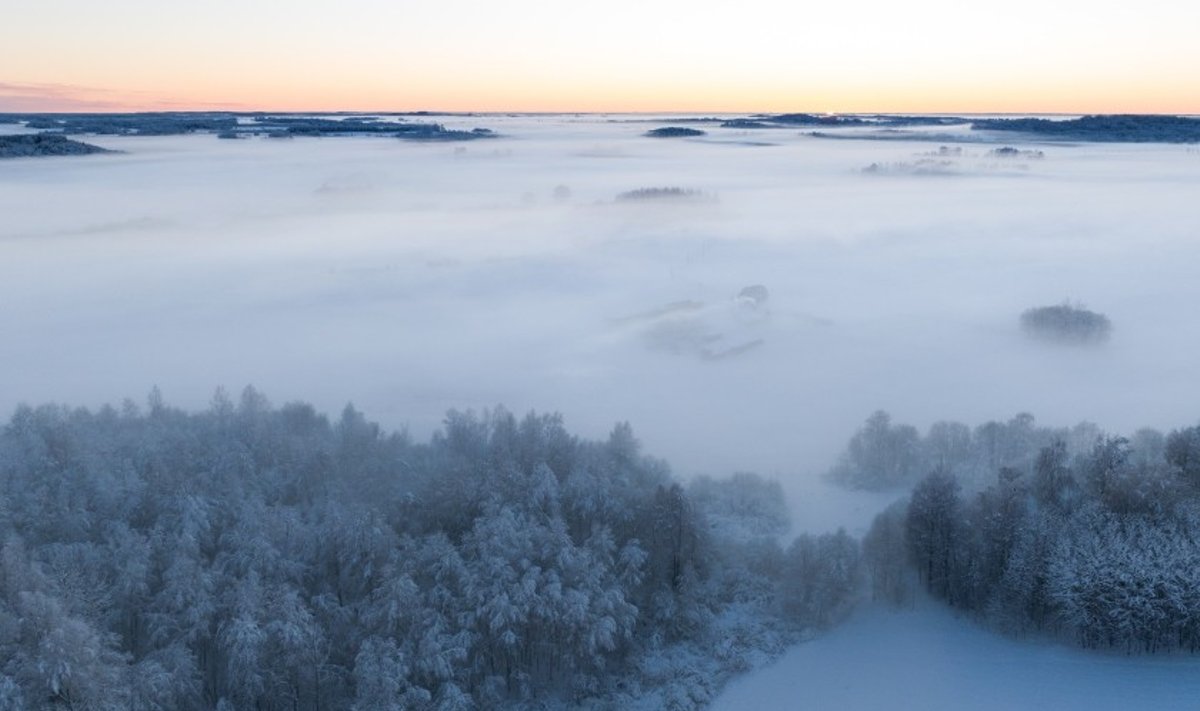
(1069, 56)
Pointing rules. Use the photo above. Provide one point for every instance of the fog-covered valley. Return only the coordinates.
(413, 278)
(743, 297)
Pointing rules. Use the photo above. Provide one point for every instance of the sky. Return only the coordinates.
(1072, 56)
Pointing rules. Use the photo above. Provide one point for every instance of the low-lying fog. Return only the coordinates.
(411, 278)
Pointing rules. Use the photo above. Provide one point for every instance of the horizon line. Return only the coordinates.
(502, 112)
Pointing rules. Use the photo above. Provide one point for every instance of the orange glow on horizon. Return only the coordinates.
(606, 56)
(1047, 101)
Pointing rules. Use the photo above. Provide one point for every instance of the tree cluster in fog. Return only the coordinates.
(28, 146)
(671, 193)
(1010, 152)
(1100, 546)
(883, 455)
(1066, 323)
(674, 132)
(1118, 128)
(840, 120)
(251, 557)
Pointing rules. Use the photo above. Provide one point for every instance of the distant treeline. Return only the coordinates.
(1131, 128)
(228, 124)
(1117, 128)
(1099, 545)
(883, 455)
(1123, 128)
(34, 145)
(253, 557)
(835, 120)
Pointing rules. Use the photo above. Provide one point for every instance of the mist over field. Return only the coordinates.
(753, 297)
(412, 278)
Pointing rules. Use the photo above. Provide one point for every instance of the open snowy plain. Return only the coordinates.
(926, 658)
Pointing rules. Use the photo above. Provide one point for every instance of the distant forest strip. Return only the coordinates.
(255, 557)
(1129, 128)
(1074, 533)
(1116, 128)
(235, 125)
(840, 120)
(33, 145)
(1113, 128)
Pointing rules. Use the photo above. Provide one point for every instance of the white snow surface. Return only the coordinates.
(929, 659)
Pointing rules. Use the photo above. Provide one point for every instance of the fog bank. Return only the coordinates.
(414, 278)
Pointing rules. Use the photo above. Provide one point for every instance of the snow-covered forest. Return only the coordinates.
(1081, 535)
(253, 557)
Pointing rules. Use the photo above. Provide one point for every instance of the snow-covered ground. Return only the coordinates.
(929, 659)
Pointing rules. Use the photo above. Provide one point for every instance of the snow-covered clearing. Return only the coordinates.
(927, 658)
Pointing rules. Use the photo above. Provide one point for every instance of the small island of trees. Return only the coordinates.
(674, 132)
(1066, 323)
(35, 145)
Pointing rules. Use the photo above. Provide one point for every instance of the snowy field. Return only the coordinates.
(926, 659)
(412, 278)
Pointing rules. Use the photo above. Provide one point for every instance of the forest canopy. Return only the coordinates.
(1075, 534)
(253, 556)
